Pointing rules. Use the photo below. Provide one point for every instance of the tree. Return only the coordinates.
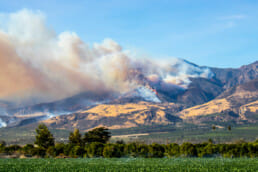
(44, 138)
(2, 146)
(59, 148)
(214, 128)
(2, 143)
(210, 141)
(229, 128)
(100, 134)
(75, 138)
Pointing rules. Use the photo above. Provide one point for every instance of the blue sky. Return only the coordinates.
(212, 33)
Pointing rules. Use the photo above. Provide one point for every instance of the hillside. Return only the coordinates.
(228, 95)
(239, 105)
(115, 116)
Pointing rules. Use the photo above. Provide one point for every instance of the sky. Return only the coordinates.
(209, 33)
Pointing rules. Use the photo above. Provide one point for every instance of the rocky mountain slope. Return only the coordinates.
(230, 100)
(229, 94)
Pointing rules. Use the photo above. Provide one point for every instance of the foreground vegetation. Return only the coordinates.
(130, 164)
(95, 143)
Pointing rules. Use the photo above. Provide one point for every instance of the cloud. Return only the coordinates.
(37, 64)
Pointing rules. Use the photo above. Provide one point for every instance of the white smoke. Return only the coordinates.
(47, 66)
(148, 95)
(2, 123)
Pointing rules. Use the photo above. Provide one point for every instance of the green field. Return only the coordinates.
(130, 164)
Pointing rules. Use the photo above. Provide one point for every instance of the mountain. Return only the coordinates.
(200, 91)
(226, 95)
(231, 77)
(241, 104)
(238, 100)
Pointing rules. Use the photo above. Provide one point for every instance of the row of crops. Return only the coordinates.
(130, 164)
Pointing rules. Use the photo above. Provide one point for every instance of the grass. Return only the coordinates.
(130, 164)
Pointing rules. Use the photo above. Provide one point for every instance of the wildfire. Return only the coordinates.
(152, 89)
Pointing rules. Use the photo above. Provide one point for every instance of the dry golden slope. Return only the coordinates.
(139, 113)
(251, 107)
(240, 102)
(214, 106)
(112, 110)
(117, 116)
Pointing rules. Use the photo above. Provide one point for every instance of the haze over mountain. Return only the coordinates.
(66, 83)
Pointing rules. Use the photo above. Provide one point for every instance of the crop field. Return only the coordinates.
(130, 164)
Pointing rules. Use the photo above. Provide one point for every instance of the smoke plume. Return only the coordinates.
(37, 64)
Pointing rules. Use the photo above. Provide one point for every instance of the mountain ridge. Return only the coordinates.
(227, 91)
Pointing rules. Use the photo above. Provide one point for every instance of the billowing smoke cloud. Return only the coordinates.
(36, 64)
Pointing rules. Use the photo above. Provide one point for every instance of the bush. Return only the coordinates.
(188, 150)
(12, 149)
(77, 151)
(208, 151)
(112, 151)
(94, 149)
(131, 150)
(156, 150)
(142, 150)
(39, 151)
(51, 152)
(172, 150)
(28, 149)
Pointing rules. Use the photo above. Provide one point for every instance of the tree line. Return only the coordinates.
(95, 143)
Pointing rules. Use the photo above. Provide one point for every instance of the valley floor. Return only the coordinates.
(149, 134)
(188, 133)
(130, 164)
